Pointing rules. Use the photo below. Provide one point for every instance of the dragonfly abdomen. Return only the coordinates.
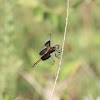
(37, 62)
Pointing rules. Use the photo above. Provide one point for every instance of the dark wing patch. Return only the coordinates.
(43, 51)
(47, 44)
(46, 56)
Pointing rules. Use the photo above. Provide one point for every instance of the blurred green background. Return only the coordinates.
(24, 26)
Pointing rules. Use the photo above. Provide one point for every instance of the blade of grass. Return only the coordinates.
(62, 51)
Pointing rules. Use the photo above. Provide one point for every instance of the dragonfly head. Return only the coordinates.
(56, 46)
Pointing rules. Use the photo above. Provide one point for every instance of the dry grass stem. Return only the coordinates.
(62, 50)
(17, 98)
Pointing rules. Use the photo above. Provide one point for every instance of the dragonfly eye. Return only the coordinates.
(57, 46)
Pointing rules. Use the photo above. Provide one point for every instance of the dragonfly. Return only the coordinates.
(46, 52)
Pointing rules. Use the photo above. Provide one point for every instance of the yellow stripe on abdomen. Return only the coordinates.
(37, 62)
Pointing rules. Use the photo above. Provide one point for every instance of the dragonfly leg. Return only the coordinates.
(57, 56)
(59, 51)
(53, 61)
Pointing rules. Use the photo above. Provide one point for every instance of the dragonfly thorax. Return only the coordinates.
(56, 47)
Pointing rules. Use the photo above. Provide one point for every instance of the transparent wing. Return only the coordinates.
(50, 60)
(43, 51)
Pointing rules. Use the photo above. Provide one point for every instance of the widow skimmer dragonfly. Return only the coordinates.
(46, 52)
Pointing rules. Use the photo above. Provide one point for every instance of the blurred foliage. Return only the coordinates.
(24, 27)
